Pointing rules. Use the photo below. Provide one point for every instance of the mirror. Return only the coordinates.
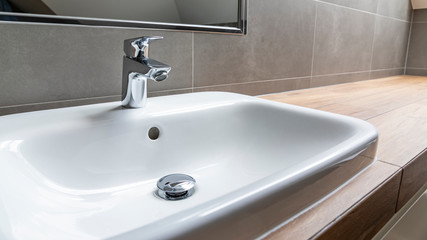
(222, 16)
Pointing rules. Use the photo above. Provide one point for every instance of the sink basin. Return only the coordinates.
(90, 172)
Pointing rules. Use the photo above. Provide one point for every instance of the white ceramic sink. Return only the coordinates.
(90, 172)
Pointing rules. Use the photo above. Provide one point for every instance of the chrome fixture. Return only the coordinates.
(137, 69)
(175, 186)
(193, 15)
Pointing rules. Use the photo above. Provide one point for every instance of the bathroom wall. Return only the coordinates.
(135, 10)
(417, 53)
(290, 45)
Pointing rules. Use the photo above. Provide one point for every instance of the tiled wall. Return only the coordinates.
(291, 44)
(417, 53)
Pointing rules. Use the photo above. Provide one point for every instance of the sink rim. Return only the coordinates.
(243, 196)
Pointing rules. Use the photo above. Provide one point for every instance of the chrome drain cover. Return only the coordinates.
(176, 186)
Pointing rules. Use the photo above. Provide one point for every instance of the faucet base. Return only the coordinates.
(136, 91)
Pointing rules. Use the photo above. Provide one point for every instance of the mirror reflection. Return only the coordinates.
(223, 13)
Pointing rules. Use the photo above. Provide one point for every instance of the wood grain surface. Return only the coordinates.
(414, 177)
(331, 209)
(365, 219)
(397, 106)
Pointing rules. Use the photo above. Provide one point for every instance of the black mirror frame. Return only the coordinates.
(241, 28)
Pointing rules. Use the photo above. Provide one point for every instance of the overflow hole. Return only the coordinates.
(153, 133)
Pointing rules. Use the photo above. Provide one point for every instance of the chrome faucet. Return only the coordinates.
(137, 69)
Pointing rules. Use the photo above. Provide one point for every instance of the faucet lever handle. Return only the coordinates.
(138, 47)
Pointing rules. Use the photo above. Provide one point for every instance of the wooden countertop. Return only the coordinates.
(397, 106)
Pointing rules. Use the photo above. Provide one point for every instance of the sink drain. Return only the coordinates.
(175, 186)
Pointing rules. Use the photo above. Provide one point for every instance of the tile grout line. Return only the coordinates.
(355, 9)
(392, 18)
(344, 73)
(409, 41)
(60, 101)
(314, 44)
(294, 78)
(373, 41)
(169, 90)
(363, 11)
(373, 45)
(258, 81)
(244, 83)
(378, 6)
(416, 68)
(385, 69)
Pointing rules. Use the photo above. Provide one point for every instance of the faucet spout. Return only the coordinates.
(137, 69)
